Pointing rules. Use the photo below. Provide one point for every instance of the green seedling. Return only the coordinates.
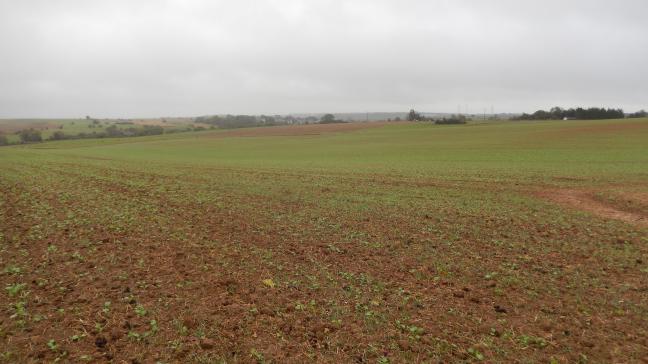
(14, 289)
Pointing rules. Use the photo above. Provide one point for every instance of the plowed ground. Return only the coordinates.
(103, 261)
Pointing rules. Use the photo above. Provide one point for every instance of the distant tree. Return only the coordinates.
(30, 136)
(397, 118)
(113, 131)
(639, 114)
(327, 118)
(154, 130)
(4, 140)
(556, 112)
(414, 116)
(57, 135)
(268, 120)
(453, 119)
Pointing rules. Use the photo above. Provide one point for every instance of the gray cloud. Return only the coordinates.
(124, 58)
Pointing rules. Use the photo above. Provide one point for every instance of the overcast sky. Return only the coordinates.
(149, 58)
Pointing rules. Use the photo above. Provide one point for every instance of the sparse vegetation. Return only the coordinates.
(373, 243)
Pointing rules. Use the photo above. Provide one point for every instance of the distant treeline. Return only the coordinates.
(638, 114)
(26, 136)
(111, 132)
(249, 121)
(330, 119)
(35, 136)
(452, 119)
(223, 122)
(592, 113)
(236, 121)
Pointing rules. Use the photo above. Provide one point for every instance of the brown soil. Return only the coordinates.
(639, 197)
(586, 201)
(12, 126)
(131, 266)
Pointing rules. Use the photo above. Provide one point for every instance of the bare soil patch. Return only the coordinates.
(587, 201)
(12, 126)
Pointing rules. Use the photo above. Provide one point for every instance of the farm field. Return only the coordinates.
(74, 127)
(371, 243)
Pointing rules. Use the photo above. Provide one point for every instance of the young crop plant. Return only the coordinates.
(413, 331)
(77, 337)
(140, 310)
(19, 310)
(14, 289)
(13, 270)
(106, 307)
(52, 345)
(476, 354)
(257, 356)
